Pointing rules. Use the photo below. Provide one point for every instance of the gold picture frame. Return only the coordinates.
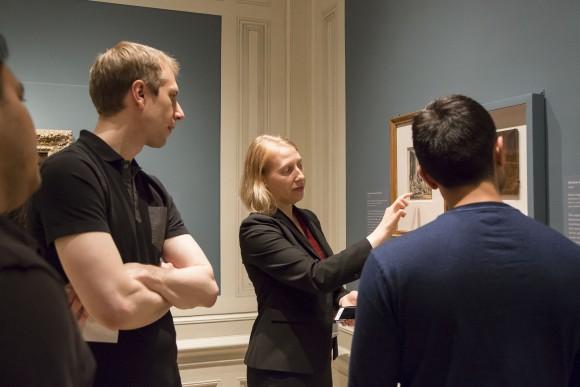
(50, 141)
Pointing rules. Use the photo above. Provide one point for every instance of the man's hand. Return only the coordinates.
(149, 275)
(79, 312)
(188, 279)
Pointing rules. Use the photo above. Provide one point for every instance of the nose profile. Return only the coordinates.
(300, 175)
(179, 113)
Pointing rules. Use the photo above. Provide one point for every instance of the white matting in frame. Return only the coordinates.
(426, 204)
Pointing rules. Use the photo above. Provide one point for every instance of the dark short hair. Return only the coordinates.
(3, 57)
(454, 137)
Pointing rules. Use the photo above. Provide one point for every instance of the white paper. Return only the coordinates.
(334, 330)
(96, 332)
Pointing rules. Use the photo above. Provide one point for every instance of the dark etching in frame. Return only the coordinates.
(417, 186)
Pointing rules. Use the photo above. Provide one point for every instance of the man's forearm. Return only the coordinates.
(140, 307)
(184, 288)
(143, 307)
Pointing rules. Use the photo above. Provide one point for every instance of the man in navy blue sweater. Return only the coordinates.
(483, 295)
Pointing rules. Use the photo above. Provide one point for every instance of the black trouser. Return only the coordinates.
(267, 378)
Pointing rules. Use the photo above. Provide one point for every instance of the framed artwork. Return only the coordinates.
(49, 141)
(521, 123)
(426, 204)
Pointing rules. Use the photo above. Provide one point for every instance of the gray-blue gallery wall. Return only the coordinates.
(52, 45)
(402, 54)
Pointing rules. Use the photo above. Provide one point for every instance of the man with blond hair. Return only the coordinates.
(114, 232)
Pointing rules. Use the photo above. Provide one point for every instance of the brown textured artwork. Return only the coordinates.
(50, 141)
(512, 167)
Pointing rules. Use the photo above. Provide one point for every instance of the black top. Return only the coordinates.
(297, 293)
(89, 187)
(39, 341)
(482, 296)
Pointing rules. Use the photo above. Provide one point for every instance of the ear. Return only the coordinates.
(138, 92)
(427, 178)
(499, 152)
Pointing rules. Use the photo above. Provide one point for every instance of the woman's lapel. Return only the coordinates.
(297, 234)
(317, 233)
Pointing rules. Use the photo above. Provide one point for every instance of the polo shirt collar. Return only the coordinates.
(104, 150)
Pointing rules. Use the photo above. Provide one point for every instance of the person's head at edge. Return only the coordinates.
(273, 175)
(19, 175)
(136, 84)
(457, 148)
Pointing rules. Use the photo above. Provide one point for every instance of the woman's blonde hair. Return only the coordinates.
(253, 191)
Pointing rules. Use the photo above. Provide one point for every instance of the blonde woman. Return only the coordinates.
(297, 278)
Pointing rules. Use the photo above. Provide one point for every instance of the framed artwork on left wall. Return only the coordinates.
(50, 141)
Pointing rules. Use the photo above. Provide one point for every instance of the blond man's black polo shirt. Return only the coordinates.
(88, 187)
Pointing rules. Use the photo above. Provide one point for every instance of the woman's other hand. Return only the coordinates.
(348, 299)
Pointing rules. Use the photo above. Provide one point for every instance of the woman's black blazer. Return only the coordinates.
(297, 292)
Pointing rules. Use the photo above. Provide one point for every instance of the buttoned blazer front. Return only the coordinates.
(297, 292)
